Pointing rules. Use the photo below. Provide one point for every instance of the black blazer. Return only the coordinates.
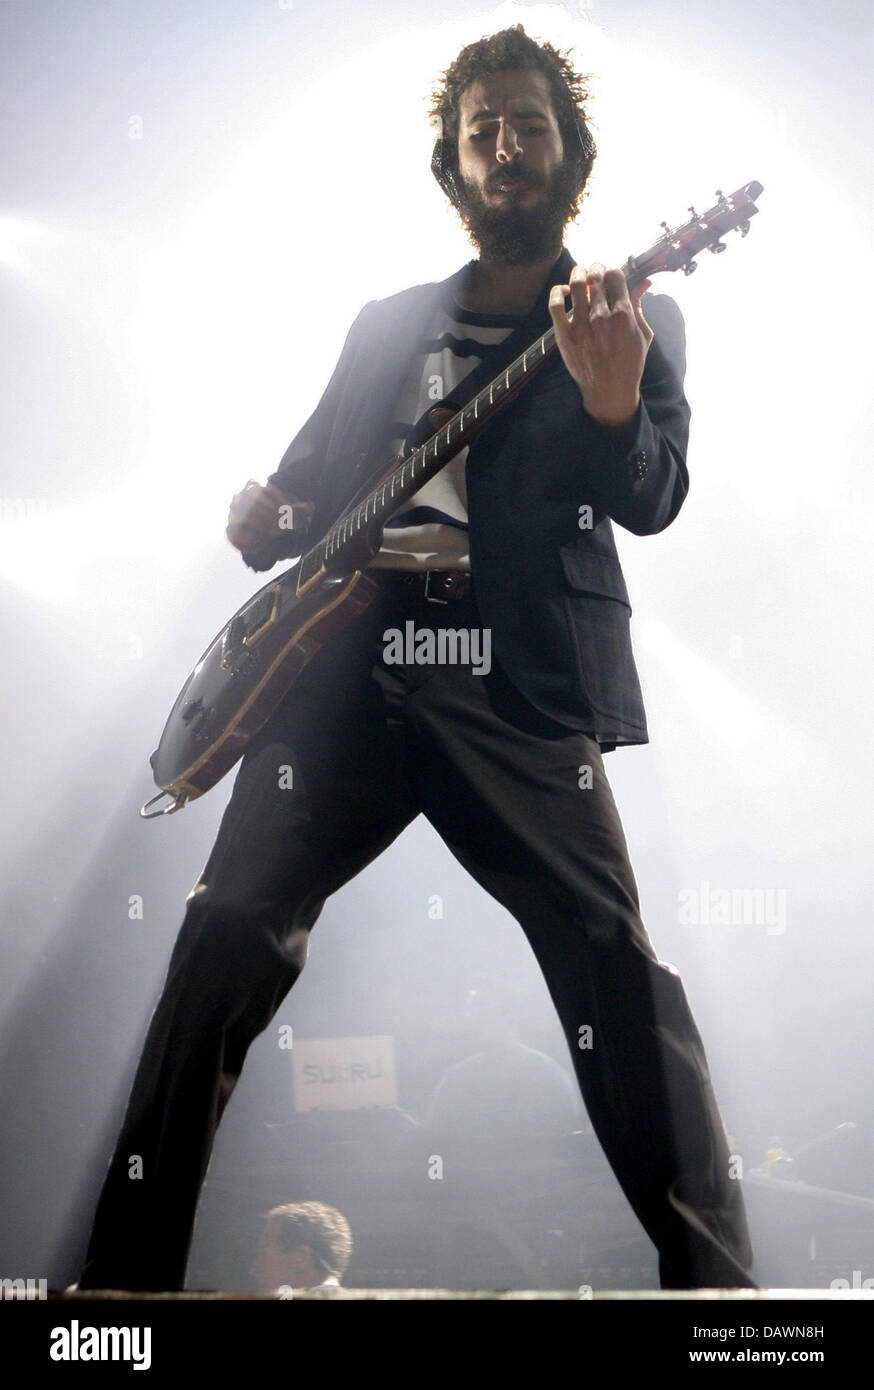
(553, 594)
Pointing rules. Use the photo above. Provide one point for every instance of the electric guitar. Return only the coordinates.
(251, 665)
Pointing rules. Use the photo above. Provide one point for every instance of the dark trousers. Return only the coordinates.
(371, 745)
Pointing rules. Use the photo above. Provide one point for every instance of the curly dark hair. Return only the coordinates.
(324, 1229)
(513, 50)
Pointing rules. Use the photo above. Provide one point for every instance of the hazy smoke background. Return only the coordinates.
(197, 201)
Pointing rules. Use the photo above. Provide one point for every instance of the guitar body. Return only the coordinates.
(244, 674)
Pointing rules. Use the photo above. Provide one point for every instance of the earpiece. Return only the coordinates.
(443, 168)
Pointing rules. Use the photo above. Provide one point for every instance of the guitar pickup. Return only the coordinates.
(250, 626)
(261, 616)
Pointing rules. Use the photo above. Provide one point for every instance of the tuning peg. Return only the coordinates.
(694, 213)
(743, 228)
(722, 200)
(669, 235)
(716, 247)
(690, 267)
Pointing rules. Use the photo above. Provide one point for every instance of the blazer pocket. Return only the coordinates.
(589, 572)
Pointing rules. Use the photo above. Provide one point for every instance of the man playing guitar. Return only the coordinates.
(514, 538)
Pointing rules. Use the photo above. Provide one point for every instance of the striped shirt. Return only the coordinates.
(429, 530)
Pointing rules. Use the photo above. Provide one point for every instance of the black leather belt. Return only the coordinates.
(437, 586)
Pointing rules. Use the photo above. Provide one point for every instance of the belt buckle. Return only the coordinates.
(430, 597)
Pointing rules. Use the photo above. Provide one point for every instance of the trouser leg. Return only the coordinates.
(279, 853)
(501, 784)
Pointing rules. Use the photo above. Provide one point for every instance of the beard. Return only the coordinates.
(507, 233)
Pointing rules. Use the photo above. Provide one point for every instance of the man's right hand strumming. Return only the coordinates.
(260, 512)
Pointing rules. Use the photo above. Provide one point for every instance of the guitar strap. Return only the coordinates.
(522, 336)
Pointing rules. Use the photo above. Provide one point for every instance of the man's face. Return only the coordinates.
(516, 191)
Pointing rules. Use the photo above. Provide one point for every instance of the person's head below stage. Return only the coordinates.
(515, 153)
(303, 1245)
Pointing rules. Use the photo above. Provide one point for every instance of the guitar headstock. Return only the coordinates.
(677, 248)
